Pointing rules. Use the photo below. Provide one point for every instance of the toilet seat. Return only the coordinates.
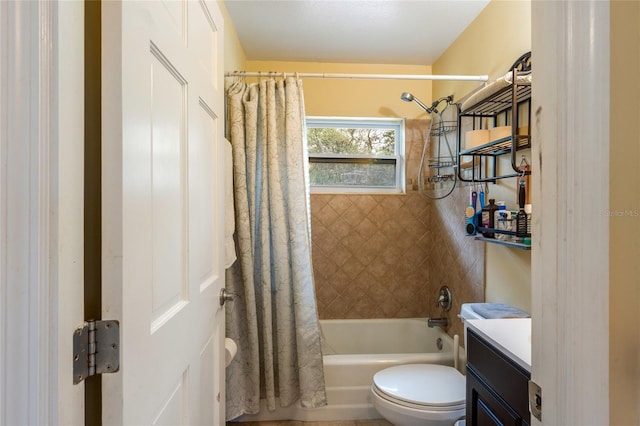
(422, 386)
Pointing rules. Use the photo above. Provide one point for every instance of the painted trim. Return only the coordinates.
(4, 138)
(34, 203)
(67, 159)
(46, 282)
(570, 269)
(25, 201)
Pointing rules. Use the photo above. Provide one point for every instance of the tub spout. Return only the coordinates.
(438, 322)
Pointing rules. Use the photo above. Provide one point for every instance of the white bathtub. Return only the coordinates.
(354, 350)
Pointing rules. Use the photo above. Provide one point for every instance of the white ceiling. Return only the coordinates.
(411, 32)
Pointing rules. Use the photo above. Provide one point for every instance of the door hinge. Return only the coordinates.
(535, 400)
(96, 349)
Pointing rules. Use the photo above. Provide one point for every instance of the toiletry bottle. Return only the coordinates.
(470, 214)
(488, 214)
(521, 218)
(500, 220)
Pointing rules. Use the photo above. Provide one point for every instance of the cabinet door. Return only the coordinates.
(499, 374)
(484, 408)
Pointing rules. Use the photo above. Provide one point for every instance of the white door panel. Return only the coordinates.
(41, 210)
(163, 214)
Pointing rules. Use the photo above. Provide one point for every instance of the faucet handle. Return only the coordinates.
(444, 299)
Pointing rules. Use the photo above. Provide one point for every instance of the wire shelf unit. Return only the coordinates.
(505, 104)
(444, 127)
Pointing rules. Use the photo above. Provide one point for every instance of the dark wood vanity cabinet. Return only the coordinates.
(497, 388)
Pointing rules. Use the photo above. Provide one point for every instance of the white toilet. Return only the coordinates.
(419, 394)
(428, 394)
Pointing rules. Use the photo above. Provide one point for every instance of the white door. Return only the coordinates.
(163, 210)
(570, 291)
(41, 210)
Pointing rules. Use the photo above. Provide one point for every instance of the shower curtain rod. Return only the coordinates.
(363, 76)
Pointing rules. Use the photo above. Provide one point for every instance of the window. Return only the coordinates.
(363, 155)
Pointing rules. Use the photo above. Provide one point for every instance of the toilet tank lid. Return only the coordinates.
(490, 311)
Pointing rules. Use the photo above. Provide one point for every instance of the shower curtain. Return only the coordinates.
(274, 317)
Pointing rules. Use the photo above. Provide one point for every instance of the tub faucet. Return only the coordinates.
(438, 322)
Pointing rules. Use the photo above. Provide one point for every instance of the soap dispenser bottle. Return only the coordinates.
(488, 216)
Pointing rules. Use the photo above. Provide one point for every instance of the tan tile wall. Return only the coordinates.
(386, 256)
(455, 260)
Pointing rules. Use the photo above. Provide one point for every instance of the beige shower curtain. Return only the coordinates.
(274, 318)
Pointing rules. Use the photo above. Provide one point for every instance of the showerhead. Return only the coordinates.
(408, 97)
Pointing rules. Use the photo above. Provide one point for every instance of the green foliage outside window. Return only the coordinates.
(361, 156)
(325, 140)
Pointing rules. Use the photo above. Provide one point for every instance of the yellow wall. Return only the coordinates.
(482, 48)
(624, 246)
(234, 57)
(329, 97)
(490, 45)
(356, 97)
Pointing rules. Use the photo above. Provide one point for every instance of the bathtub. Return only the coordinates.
(353, 351)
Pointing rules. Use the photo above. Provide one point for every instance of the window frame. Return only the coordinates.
(364, 123)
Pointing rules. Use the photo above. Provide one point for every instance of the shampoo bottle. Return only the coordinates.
(488, 215)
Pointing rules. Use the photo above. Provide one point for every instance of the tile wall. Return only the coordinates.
(386, 256)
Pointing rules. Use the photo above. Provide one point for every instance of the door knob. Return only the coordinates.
(225, 296)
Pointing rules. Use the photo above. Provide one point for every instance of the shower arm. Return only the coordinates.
(447, 99)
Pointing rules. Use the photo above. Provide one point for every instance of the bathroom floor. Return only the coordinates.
(375, 422)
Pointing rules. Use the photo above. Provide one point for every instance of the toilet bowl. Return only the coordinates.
(419, 395)
(430, 394)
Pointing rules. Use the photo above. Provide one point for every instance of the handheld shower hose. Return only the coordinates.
(408, 97)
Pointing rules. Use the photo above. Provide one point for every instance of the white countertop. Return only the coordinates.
(512, 336)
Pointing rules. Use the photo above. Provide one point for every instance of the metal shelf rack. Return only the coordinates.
(506, 105)
(514, 244)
